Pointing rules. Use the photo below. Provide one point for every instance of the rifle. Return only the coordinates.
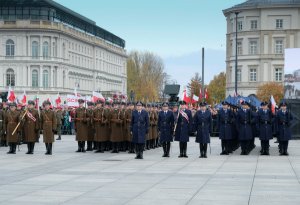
(19, 122)
(177, 120)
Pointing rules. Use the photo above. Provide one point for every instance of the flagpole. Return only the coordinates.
(202, 72)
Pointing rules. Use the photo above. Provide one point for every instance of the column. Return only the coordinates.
(41, 77)
(51, 77)
(28, 77)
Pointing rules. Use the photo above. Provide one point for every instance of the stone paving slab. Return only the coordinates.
(73, 178)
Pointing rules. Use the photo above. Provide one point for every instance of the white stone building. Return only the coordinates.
(265, 29)
(46, 49)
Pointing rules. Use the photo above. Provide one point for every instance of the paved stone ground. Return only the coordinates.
(88, 178)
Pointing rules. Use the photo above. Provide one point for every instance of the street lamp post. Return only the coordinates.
(236, 50)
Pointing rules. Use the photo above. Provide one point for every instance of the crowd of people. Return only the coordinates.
(121, 127)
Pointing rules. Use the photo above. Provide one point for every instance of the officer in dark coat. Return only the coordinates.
(283, 120)
(265, 122)
(166, 128)
(139, 129)
(183, 128)
(202, 124)
(225, 121)
(244, 121)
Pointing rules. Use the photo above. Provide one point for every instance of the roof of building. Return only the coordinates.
(68, 16)
(256, 4)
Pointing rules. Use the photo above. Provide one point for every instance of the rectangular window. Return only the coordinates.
(239, 48)
(253, 25)
(279, 46)
(253, 75)
(239, 75)
(240, 25)
(279, 23)
(278, 74)
(253, 47)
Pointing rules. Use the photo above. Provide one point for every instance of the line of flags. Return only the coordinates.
(195, 98)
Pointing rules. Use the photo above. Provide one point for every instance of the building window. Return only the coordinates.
(54, 50)
(239, 75)
(45, 79)
(35, 49)
(253, 25)
(35, 78)
(239, 48)
(64, 51)
(10, 48)
(240, 25)
(279, 46)
(279, 23)
(45, 50)
(278, 74)
(253, 47)
(253, 75)
(10, 77)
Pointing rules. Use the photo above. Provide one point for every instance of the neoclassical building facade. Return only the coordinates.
(265, 29)
(46, 49)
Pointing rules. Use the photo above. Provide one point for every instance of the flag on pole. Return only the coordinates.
(195, 98)
(200, 94)
(97, 96)
(58, 100)
(273, 104)
(11, 97)
(185, 97)
(22, 99)
(206, 94)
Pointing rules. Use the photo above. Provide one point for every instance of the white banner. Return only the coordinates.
(72, 101)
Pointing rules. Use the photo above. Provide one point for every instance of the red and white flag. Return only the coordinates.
(11, 97)
(195, 98)
(200, 94)
(273, 104)
(58, 100)
(185, 97)
(97, 96)
(206, 94)
(22, 98)
(110, 100)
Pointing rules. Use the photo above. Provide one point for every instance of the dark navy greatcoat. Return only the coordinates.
(166, 126)
(183, 127)
(265, 123)
(244, 123)
(139, 126)
(283, 121)
(225, 121)
(202, 124)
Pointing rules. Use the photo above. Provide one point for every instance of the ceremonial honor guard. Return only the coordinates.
(139, 129)
(166, 128)
(2, 140)
(81, 126)
(183, 128)
(59, 118)
(123, 143)
(283, 120)
(149, 135)
(11, 122)
(116, 128)
(153, 126)
(225, 121)
(202, 123)
(48, 123)
(100, 122)
(265, 120)
(31, 126)
(128, 117)
(91, 131)
(244, 121)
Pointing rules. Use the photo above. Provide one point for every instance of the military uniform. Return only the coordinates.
(153, 128)
(81, 127)
(100, 121)
(91, 131)
(128, 116)
(116, 128)
(2, 136)
(59, 118)
(140, 129)
(202, 123)
(11, 120)
(31, 126)
(48, 124)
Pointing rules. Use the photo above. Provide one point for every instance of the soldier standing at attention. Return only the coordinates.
(225, 121)
(265, 122)
(59, 118)
(81, 126)
(116, 127)
(48, 123)
(123, 143)
(11, 120)
(31, 126)
(139, 129)
(100, 120)
(91, 131)
(153, 126)
(202, 123)
(1, 125)
(283, 119)
(166, 128)
(183, 129)
(128, 116)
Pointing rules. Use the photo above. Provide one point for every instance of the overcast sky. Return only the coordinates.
(174, 29)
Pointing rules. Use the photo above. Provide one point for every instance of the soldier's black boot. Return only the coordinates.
(10, 148)
(141, 151)
(262, 147)
(201, 150)
(180, 149)
(32, 148)
(79, 146)
(47, 149)
(14, 148)
(137, 151)
(28, 148)
(114, 147)
(168, 149)
(50, 148)
(59, 137)
(164, 145)
(83, 146)
(223, 147)
(89, 146)
(267, 148)
(95, 145)
(148, 144)
(205, 151)
(185, 150)
(285, 152)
